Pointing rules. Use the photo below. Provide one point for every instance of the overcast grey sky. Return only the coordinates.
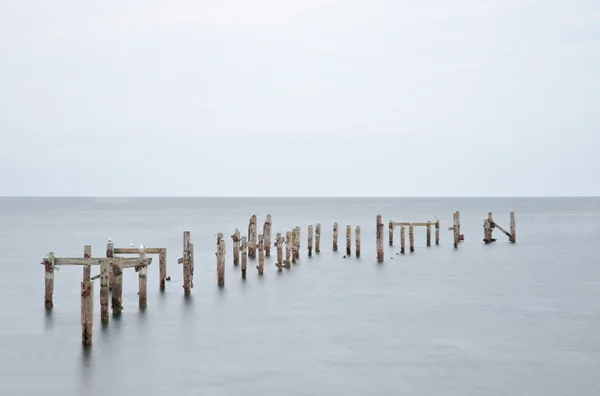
(300, 98)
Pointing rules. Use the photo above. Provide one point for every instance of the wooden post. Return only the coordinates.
(267, 236)
(143, 281)
(411, 238)
(87, 311)
(310, 240)
(117, 289)
(391, 231)
(297, 239)
(437, 232)
(187, 264)
(104, 274)
(490, 227)
(261, 255)
(244, 250)
(428, 233)
(455, 229)
(162, 268)
(87, 269)
(288, 248)
(252, 237)
(379, 239)
(220, 260)
(357, 237)
(236, 247)
(191, 265)
(278, 243)
(458, 233)
(49, 281)
(318, 238)
(348, 240)
(294, 245)
(513, 228)
(402, 239)
(335, 237)
(110, 252)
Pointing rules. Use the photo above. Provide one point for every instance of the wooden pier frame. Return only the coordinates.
(410, 225)
(489, 225)
(162, 261)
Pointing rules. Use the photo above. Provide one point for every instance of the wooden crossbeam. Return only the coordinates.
(406, 224)
(123, 262)
(133, 250)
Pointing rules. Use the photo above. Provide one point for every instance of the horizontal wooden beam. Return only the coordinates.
(405, 224)
(123, 262)
(133, 250)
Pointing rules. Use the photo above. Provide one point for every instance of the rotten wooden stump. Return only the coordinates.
(310, 240)
(267, 236)
(318, 238)
(391, 232)
(357, 237)
(288, 248)
(187, 264)
(87, 311)
(294, 245)
(114, 268)
(379, 239)
(48, 280)
(220, 260)
(278, 243)
(252, 237)
(335, 237)
(162, 268)
(261, 255)
(428, 233)
(297, 240)
(87, 270)
(244, 250)
(411, 238)
(142, 280)
(236, 247)
(104, 285)
(110, 253)
(513, 228)
(348, 240)
(437, 232)
(402, 240)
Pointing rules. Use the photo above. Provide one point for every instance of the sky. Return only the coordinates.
(300, 98)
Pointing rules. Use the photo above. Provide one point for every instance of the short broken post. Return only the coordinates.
(87, 311)
(244, 250)
(288, 249)
(220, 260)
(143, 280)
(261, 255)
(379, 239)
(455, 229)
(335, 237)
(294, 245)
(267, 236)
(391, 232)
(117, 275)
(402, 240)
(513, 228)
(49, 280)
(318, 238)
(236, 247)
(278, 243)
(252, 237)
(297, 240)
(357, 237)
(162, 268)
(428, 233)
(411, 238)
(437, 232)
(348, 240)
(310, 240)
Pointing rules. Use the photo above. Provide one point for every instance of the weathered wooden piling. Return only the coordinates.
(513, 228)
(294, 245)
(411, 238)
(191, 265)
(437, 232)
(87, 311)
(288, 248)
(187, 264)
(297, 239)
(236, 247)
(455, 229)
(220, 260)
(267, 236)
(318, 238)
(348, 240)
(460, 235)
(87, 269)
(310, 240)
(402, 240)
(117, 287)
(143, 280)
(379, 239)
(162, 268)
(49, 281)
(104, 284)
(244, 249)
(487, 231)
(252, 237)
(278, 243)
(428, 233)
(357, 238)
(391, 232)
(261, 255)
(335, 237)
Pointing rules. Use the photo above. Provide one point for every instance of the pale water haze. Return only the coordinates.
(300, 98)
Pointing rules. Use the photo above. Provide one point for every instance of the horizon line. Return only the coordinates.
(295, 197)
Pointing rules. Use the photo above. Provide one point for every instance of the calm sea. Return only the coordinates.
(500, 319)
